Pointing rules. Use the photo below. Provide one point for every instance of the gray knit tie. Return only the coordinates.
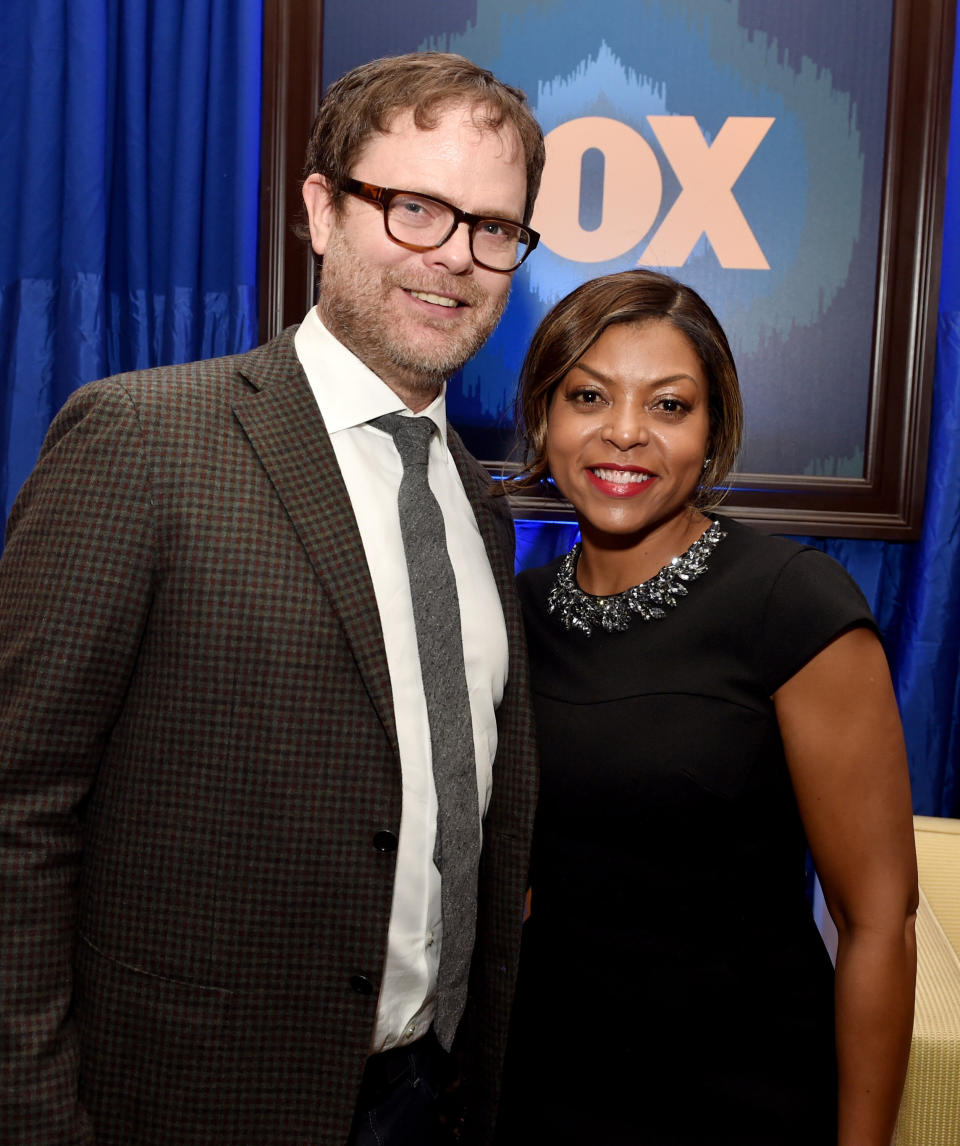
(436, 613)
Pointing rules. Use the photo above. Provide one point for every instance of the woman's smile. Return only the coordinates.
(619, 482)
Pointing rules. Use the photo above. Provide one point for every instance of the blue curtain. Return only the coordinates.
(128, 196)
(913, 588)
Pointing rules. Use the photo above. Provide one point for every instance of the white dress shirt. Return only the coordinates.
(349, 396)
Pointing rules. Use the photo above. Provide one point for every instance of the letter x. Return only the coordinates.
(705, 205)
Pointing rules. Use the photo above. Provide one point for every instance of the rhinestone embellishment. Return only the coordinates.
(649, 601)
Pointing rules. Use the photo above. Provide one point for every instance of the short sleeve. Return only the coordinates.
(813, 601)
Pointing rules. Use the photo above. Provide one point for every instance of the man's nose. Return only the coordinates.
(454, 256)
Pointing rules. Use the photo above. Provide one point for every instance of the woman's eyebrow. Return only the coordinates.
(601, 377)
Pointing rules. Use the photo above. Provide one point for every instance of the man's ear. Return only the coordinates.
(318, 200)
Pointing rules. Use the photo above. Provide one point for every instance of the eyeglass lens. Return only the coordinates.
(495, 242)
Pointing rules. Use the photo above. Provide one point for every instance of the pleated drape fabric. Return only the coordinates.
(128, 197)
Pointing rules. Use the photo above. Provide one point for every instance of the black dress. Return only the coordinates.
(673, 987)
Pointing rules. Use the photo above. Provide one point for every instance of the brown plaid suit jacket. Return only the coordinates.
(197, 745)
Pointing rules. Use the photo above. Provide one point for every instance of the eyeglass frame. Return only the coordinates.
(382, 197)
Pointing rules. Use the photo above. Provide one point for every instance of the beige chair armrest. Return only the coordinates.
(930, 1109)
(938, 865)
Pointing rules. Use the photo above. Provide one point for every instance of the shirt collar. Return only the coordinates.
(347, 391)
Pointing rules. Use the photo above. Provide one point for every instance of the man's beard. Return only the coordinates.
(353, 305)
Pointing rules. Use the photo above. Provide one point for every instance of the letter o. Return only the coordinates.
(632, 189)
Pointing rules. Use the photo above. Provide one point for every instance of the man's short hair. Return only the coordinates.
(366, 100)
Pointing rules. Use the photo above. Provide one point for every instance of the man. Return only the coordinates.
(223, 914)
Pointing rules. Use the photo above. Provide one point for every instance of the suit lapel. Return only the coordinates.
(284, 426)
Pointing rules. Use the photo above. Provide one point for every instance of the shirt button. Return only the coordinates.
(429, 942)
(410, 1031)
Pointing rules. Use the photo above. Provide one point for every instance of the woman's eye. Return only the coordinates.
(671, 406)
(585, 397)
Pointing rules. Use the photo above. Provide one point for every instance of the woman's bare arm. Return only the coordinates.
(844, 746)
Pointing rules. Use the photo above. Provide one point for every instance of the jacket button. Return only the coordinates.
(361, 985)
(385, 841)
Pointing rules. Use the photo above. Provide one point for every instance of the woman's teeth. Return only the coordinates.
(623, 476)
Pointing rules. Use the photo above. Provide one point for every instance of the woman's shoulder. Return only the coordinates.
(771, 558)
(746, 540)
(787, 583)
(799, 599)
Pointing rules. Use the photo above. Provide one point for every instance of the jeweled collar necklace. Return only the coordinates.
(649, 600)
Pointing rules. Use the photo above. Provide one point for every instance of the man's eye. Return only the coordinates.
(414, 212)
(500, 231)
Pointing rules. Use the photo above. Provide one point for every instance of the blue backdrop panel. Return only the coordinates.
(128, 196)
(613, 83)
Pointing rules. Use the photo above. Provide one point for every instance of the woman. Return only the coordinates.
(710, 701)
